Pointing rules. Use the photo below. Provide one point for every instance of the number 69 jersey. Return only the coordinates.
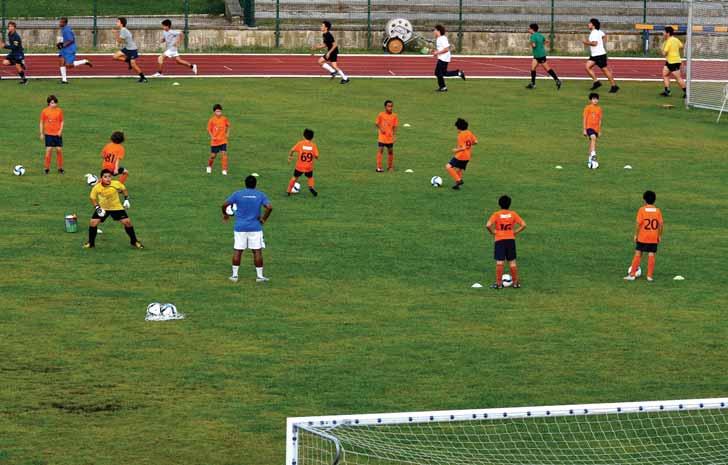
(308, 153)
(649, 219)
(504, 221)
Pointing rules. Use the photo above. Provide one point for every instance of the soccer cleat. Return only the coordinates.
(313, 191)
(344, 81)
(516, 285)
(224, 172)
(441, 89)
(142, 80)
(531, 86)
(458, 184)
(261, 279)
(614, 89)
(45, 171)
(496, 286)
(233, 278)
(209, 170)
(666, 93)
(194, 69)
(380, 170)
(63, 82)
(629, 278)
(87, 245)
(137, 245)
(23, 82)
(596, 85)
(61, 171)
(649, 279)
(462, 75)
(333, 75)
(89, 64)
(558, 84)
(157, 75)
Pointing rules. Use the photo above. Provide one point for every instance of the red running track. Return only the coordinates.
(404, 66)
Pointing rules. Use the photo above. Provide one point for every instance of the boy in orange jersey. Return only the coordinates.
(219, 129)
(308, 153)
(51, 131)
(387, 123)
(592, 124)
(459, 162)
(112, 154)
(648, 232)
(501, 225)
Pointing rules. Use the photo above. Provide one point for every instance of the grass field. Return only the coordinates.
(369, 307)
(52, 8)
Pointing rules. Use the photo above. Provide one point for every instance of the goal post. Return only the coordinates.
(675, 432)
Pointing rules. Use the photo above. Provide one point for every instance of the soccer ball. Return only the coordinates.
(296, 188)
(169, 310)
(637, 273)
(507, 280)
(231, 209)
(19, 170)
(592, 164)
(154, 309)
(436, 181)
(91, 179)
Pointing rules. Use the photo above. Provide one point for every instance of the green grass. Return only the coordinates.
(57, 8)
(369, 308)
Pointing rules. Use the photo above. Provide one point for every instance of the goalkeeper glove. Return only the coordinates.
(127, 204)
(100, 212)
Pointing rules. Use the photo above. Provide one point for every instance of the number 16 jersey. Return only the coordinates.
(504, 221)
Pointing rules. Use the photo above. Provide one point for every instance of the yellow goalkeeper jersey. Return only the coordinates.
(108, 197)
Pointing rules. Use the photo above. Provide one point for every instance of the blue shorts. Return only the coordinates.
(462, 164)
(505, 250)
(68, 56)
(15, 59)
(130, 54)
(384, 144)
(591, 132)
(53, 141)
(218, 148)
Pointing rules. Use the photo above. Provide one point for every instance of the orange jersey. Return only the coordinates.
(52, 119)
(465, 139)
(593, 117)
(308, 153)
(110, 154)
(649, 218)
(504, 221)
(217, 128)
(386, 122)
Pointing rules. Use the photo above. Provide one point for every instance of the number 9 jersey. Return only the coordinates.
(308, 153)
(649, 219)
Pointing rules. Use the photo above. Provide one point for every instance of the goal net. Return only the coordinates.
(707, 54)
(686, 432)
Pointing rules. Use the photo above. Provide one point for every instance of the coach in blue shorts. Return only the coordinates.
(67, 50)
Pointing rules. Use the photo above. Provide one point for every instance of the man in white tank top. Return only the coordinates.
(598, 56)
(171, 38)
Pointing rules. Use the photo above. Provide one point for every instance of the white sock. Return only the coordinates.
(341, 73)
(63, 73)
(80, 62)
(259, 271)
(594, 153)
(235, 271)
(328, 68)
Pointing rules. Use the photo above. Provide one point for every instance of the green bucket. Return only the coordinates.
(71, 224)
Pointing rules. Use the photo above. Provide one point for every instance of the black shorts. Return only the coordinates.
(130, 54)
(643, 247)
(672, 67)
(308, 174)
(462, 164)
(53, 141)
(591, 132)
(382, 144)
(218, 148)
(600, 60)
(333, 56)
(116, 215)
(121, 170)
(505, 250)
(15, 59)
(541, 60)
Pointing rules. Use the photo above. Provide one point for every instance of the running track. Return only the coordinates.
(391, 66)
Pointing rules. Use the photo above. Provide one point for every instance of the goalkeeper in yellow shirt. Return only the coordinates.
(671, 52)
(105, 199)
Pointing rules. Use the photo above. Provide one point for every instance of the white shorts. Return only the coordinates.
(171, 53)
(248, 240)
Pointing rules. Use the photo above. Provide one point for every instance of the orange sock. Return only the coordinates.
(291, 182)
(454, 174)
(514, 273)
(59, 159)
(391, 161)
(48, 161)
(123, 177)
(635, 264)
(650, 265)
(499, 273)
(379, 161)
(310, 182)
(224, 161)
(211, 160)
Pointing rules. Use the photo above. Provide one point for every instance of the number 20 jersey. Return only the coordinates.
(649, 218)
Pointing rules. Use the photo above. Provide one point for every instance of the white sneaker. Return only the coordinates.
(157, 75)
(261, 279)
(194, 69)
(233, 279)
(649, 280)
(629, 278)
(224, 172)
(209, 170)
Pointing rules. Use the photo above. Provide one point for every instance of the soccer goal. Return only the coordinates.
(686, 432)
(707, 54)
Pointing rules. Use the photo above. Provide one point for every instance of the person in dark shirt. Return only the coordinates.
(16, 56)
(332, 53)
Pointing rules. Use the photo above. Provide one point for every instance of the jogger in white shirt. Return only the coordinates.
(442, 53)
(598, 56)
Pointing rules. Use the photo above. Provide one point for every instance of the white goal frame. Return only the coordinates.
(311, 424)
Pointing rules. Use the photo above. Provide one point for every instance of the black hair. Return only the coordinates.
(327, 24)
(104, 171)
(387, 102)
(122, 20)
(167, 23)
(12, 23)
(533, 26)
(251, 181)
(441, 29)
(52, 98)
(117, 137)
(593, 95)
(308, 134)
(216, 107)
(505, 202)
(596, 23)
(649, 197)
(63, 19)
(670, 30)
(461, 124)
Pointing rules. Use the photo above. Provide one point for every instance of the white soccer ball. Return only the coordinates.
(507, 280)
(169, 310)
(19, 170)
(436, 181)
(592, 164)
(154, 309)
(231, 209)
(637, 273)
(91, 179)
(296, 188)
